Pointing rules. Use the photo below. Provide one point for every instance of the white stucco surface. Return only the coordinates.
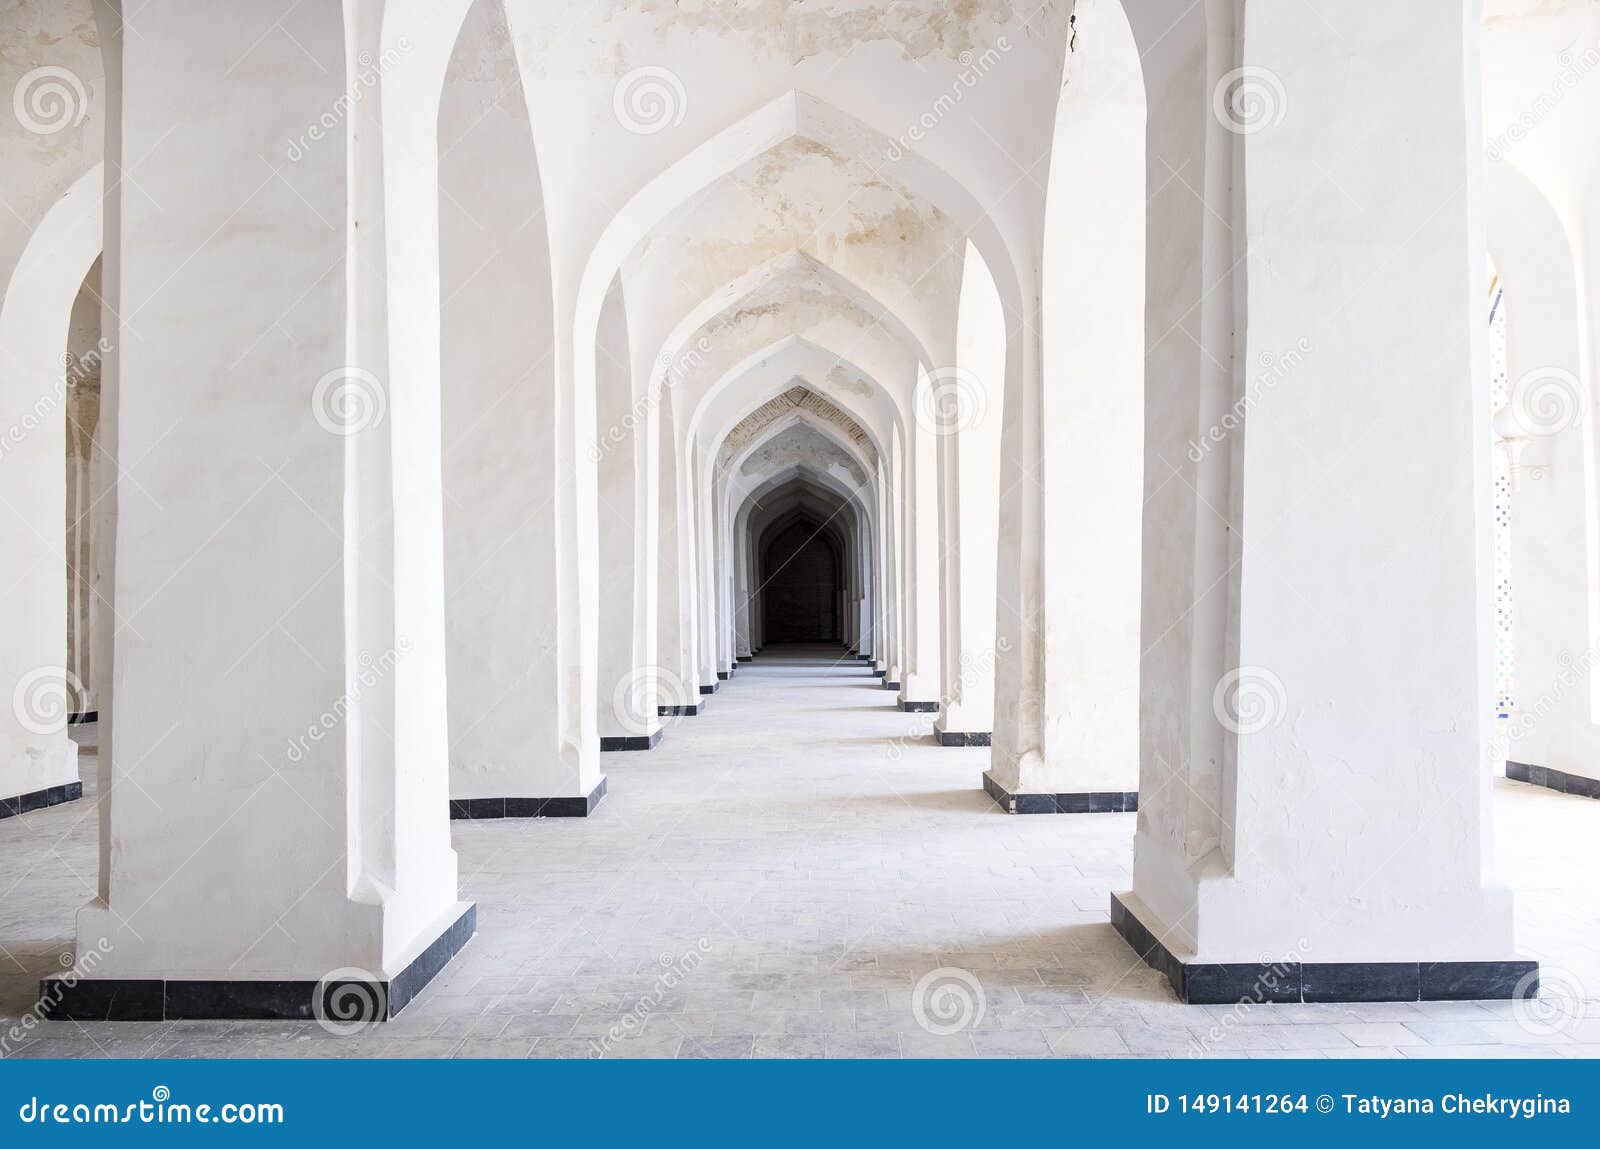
(461, 360)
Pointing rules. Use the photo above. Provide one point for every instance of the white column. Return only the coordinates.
(38, 762)
(1550, 421)
(498, 413)
(278, 577)
(724, 585)
(1351, 808)
(971, 412)
(676, 684)
(1067, 704)
(646, 551)
(895, 500)
(626, 705)
(50, 234)
(920, 682)
(701, 495)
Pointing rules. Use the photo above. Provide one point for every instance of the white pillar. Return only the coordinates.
(920, 681)
(969, 407)
(1348, 836)
(701, 495)
(676, 686)
(1067, 720)
(646, 553)
(499, 414)
(723, 538)
(895, 500)
(884, 571)
(627, 705)
(38, 762)
(50, 234)
(278, 578)
(1552, 735)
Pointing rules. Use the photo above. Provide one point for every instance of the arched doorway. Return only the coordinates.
(801, 571)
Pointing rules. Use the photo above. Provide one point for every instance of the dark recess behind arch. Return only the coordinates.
(800, 576)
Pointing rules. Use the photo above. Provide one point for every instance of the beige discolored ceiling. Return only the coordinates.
(800, 196)
(796, 399)
(803, 447)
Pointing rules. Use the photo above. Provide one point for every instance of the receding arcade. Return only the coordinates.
(483, 436)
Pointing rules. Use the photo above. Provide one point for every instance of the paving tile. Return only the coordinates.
(717, 1047)
(493, 1048)
(1451, 1032)
(1010, 1043)
(1087, 1041)
(823, 892)
(928, 1046)
(862, 1045)
(1381, 1033)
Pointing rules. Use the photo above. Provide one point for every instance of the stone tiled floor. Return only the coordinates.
(777, 878)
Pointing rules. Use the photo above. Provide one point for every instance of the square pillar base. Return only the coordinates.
(1558, 780)
(149, 999)
(1090, 802)
(963, 738)
(479, 809)
(40, 799)
(610, 743)
(1262, 983)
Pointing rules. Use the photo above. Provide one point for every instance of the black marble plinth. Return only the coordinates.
(152, 999)
(1266, 982)
(40, 799)
(481, 809)
(1088, 802)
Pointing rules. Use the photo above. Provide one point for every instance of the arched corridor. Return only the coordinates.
(503, 491)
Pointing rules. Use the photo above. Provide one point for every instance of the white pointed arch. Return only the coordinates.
(794, 266)
(794, 355)
(803, 417)
(792, 114)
